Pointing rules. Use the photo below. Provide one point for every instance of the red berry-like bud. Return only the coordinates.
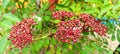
(69, 31)
(20, 34)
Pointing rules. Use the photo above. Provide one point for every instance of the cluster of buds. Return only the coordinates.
(94, 24)
(69, 31)
(62, 14)
(20, 34)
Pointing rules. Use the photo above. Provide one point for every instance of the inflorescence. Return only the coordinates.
(70, 30)
(20, 34)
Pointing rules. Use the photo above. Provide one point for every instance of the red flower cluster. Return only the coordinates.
(69, 31)
(20, 34)
(94, 24)
(62, 14)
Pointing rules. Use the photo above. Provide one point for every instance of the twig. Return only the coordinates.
(51, 5)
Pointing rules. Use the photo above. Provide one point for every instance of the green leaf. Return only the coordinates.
(118, 49)
(97, 4)
(111, 14)
(39, 44)
(106, 1)
(48, 52)
(53, 41)
(84, 52)
(58, 51)
(85, 33)
(0, 11)
(74, 47)
(39, 25)
(48, 12)
(32, 49)
(45, 6)
(70, 47)
(53, 30)
(109, 52)
(116, 6)
(5, 24)
(92, 10)
(65, 45)
(70, 52)
(46, 18)
(25, 50)
(106, 7)
(75, 7)
(11, 17)
(14, 51)
(24, 15)
(72, 6)
(97, 47)
(78, 46)
(64, 50)
(66, 2)
(3, 43)
(118, 35)
(92, 0)
(88, 48)
(78, 7)
(113, 37)
(62, 7)
(47, 41)
(5, 3)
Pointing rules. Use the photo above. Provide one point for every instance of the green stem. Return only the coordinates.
(42, 36)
